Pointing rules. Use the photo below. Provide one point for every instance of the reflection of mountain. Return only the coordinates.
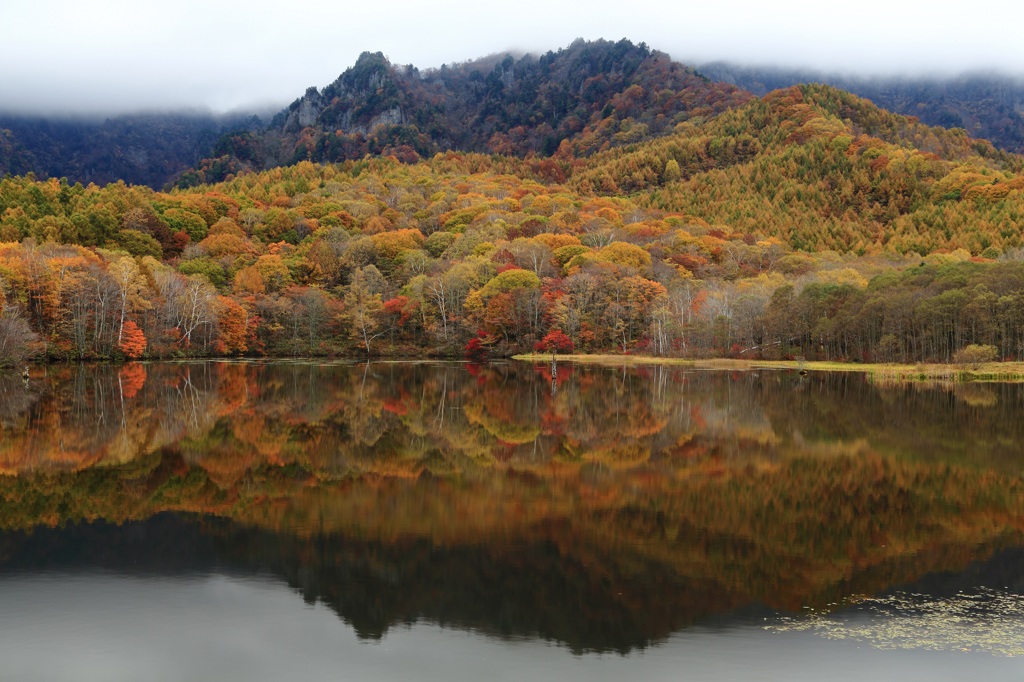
(525, 588)
(585, 561)
(580, 596)
(609, 514)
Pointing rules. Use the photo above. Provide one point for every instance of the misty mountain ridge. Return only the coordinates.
(145, 148)
(591, 95)
(583, 99)
(987, 104)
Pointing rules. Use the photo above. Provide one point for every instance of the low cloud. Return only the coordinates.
(116, 55)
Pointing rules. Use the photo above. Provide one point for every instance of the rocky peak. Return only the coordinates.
(304, 111)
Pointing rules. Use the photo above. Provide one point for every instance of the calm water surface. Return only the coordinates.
(181, 521)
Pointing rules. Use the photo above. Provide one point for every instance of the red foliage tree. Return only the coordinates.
(400, 308)
(556, 341)
(477, 348)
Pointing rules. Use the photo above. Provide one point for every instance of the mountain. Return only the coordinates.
(143, 149)
(986, 105)
(595, 95)
(584, 99)
(820, 168)
(695, 219)
(808, 222)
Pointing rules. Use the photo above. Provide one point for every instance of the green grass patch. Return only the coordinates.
(987, 372)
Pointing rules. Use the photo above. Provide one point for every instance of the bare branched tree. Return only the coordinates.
(16, 337)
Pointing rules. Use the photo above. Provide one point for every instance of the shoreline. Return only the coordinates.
(1006, 372)
(995, 372)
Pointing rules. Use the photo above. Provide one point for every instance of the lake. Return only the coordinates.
(400, 521)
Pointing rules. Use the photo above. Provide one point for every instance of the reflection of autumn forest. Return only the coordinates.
(644, 211)
(658, 495)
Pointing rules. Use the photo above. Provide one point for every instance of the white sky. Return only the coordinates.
(115, 55)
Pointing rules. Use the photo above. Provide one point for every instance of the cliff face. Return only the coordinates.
(363, 97)
(304, 111)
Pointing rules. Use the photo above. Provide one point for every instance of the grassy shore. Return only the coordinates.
(990, 371)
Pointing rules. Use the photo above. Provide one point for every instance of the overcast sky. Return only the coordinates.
(117, 55)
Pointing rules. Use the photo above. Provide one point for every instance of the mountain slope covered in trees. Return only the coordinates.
(140, 149)
(589, 96)
(822, 169)
(989, 106)
(580, 100)
(808, 222)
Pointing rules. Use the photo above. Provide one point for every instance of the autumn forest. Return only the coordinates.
(597, 199)
(513, 363)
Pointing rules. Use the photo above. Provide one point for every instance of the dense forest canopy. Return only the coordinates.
(807, 223)
(589, 96)
(985, 104)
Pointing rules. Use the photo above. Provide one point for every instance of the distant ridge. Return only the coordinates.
(140, 149)
(575, 102)
(986, 105)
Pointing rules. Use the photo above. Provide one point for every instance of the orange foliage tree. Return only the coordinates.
(133, 341)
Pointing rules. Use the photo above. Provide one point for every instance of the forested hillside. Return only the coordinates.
(592, 94)
(987, 105)
(581, 99)
(822, 169)
(805, 223)
(141, 149)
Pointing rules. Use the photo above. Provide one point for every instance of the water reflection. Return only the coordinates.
(986, 620)
(622, 507)
(80, 416)
(225, 629)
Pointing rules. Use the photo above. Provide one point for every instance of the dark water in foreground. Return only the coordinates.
(427, 521)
